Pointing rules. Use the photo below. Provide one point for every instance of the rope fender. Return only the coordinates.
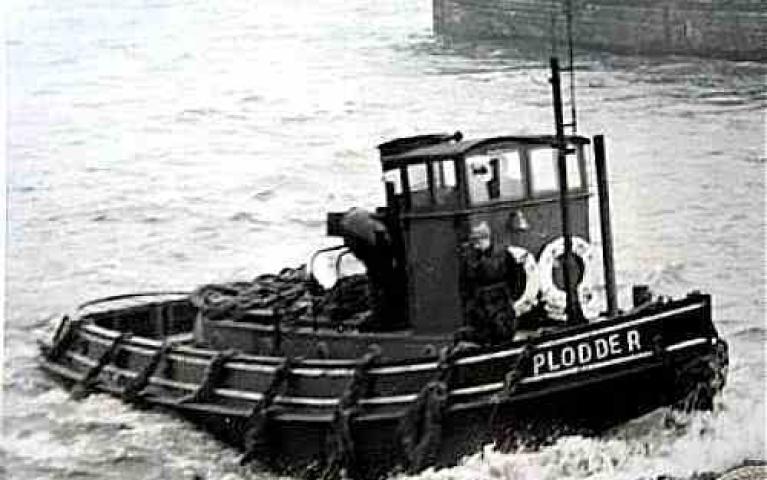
(517, 371)
(511, 381)
(256, 438)
(341, 442)
(133, 390)
(63, 338)
(211, 376)
(699, 380)
(420, 429)
(86, 384)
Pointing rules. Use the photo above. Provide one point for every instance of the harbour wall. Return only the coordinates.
(735, 29)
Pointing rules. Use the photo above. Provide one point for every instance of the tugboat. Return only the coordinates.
(459, 314)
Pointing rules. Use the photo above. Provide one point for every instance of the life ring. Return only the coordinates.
(554, 297)
(529, 297)
(328, 265)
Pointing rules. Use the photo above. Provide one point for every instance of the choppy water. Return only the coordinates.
(167, 143)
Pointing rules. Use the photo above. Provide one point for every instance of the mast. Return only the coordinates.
(569, 20)
(600, 161)
(573, 307)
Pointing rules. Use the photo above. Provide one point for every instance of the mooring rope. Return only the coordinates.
(420, 429)
(697, 381)
(289, 293)
(66, 332)
(511, 381)
(342, 450)
(256, 436)
(133, 390)
(210, 378)
(87, 382)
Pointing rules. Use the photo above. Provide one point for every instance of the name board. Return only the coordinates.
(598, 348)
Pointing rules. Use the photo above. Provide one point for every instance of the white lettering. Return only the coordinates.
(538, 360)
(602, 348)
(615, 346)
(584, 352)
(552, 365)
(568, 356)
(632, 337)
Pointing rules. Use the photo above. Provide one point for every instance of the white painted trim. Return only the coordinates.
(416, 367)
(487, 356)
(586, 368)
(238, 394)
(247, 367)
(485, 388)
(411, 397)
(321, 372)
(395, 399)
(310, 401)
(618, 326)
(176, 357)
(392, 370)
(687, 343)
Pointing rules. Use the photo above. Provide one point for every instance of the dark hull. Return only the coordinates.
(581, 379)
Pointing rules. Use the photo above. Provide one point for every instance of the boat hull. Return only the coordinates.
(316, 413)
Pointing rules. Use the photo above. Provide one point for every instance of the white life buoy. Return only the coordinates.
(328, 265)
(529, 297)
(554, 297)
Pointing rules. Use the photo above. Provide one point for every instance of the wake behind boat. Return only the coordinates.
(468, 317)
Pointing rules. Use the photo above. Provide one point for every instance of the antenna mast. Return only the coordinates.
(569, 19)
(573, 310)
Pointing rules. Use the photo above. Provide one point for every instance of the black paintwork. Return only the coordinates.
(670, 335)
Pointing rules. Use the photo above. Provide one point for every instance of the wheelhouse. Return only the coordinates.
(441, 187)
(455, 175)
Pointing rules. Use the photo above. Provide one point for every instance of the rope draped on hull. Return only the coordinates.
(256, 438)
(420, 429)
(132, 393)
(342, 454)
(87, 382)
(688, 369)
(212, 374)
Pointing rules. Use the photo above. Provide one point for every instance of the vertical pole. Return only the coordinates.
(600, 161)
(438, 17)
(569, 14)
(572, 308)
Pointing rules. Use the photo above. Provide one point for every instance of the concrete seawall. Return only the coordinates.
(734, 29)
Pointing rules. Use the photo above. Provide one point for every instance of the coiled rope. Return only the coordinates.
(289, 293)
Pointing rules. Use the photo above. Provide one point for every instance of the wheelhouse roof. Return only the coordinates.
(457, 149)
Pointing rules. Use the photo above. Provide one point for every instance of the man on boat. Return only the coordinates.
(487, 270)
(368, 238)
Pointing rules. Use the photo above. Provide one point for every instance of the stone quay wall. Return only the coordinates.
(735, 29)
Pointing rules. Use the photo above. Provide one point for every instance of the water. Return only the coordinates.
(157, 144)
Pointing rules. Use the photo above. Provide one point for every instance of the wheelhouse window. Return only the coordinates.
(418, 180)
(425, 186)
(507, 168)
(394, 177)
(420, 192)
(495, 176)
(444, 183)
(544, 172)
